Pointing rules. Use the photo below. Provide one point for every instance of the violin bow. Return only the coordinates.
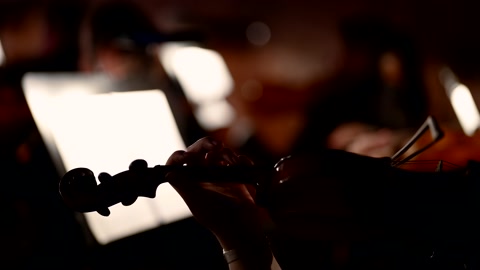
(436, 133)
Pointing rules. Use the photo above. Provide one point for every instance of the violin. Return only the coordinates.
(79, 189)
(329, 195)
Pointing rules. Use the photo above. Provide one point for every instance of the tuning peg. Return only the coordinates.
(129, 201)
(138, 166)
(105, 178)
(104, 212)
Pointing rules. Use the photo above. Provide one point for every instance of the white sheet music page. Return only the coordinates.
(105, 133)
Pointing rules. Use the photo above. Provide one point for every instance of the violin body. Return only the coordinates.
(374, 215)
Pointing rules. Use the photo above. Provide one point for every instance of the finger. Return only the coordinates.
(244, 160)
(223, 157)
(177, 158)
(205, 145)
(181, 158)
(227, 157)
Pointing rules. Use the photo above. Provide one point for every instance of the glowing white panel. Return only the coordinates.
(2, 54)
(462, 101)
(465, 109)
(215, 114)
(205, 78)
(105, 133)
(202, 73)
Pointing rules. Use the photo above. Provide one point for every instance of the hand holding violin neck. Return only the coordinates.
(80, 191)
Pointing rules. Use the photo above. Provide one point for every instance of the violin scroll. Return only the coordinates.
(77, 186)
(80, 191)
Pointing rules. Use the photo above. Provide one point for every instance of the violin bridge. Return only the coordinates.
(439, 166)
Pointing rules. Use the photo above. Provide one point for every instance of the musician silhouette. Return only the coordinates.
(377, 99)
(121, 40)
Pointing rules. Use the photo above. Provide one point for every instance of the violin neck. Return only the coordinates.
(254, 175)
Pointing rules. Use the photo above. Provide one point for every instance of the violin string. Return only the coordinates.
(431, 161)
(438, 162)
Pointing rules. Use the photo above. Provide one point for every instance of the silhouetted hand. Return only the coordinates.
(227, 209)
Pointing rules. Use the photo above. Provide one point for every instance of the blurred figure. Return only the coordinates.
(369, 99)
(37, 230)
(276, 78)
(41, 35)
(116, 39)
(119, 39)
(378, 99)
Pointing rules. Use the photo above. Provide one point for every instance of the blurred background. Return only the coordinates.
(269, 78)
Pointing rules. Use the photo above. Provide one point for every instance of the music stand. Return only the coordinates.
(84, 122)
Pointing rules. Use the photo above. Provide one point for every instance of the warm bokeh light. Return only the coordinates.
(462, 101)
(215, 114)
(2, 54)
(465, 109)
(105, 133)
(258, 33)
(204, 77)
(202, 73)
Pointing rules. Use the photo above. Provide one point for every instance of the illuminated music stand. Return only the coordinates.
(84, 122)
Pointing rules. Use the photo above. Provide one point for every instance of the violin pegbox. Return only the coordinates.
(105, 180)
(146, 179)
(127, 186)
(139, 170)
